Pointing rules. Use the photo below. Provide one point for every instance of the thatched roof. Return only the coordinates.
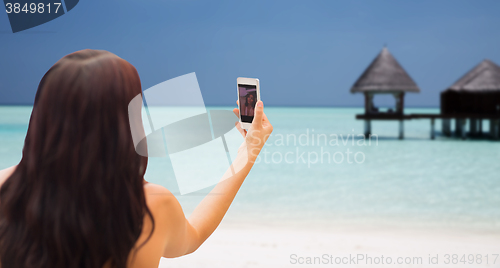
(484, 77)
(385, 74)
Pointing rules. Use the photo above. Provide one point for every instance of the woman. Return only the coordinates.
(250, 103)
(78, 197)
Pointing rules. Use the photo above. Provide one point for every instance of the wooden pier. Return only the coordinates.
(475, 124)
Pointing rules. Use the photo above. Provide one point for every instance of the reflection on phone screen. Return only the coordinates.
(248, 99)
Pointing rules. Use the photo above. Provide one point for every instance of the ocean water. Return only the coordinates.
(317, 169)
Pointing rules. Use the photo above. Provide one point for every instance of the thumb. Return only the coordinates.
(259, 112)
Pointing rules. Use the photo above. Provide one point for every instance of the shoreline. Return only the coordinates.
(355, 226)
(322, 221)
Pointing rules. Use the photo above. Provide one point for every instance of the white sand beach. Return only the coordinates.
(343, 247)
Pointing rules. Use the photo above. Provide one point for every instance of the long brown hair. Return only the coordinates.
(76, 199)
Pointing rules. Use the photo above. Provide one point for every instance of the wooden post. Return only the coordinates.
(401, 130)
(495, 129)
(491, 128)
(480, 126)
(446, 128)
(402, 103)
(368, 103)
(368, 128)
(473, 126)
(433, 133)
(458, 127)
(463, 124)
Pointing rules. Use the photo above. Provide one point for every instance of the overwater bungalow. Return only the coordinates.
(384, 76)
(475, 96)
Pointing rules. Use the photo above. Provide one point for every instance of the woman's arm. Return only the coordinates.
(209, 213)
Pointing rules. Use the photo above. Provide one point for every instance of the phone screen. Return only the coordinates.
(248, 99)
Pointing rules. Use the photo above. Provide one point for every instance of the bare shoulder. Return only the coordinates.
(159, 198)
(155, 192)
(151, 188)
(5, 173)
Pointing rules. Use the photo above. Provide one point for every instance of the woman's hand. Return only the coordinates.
(257, 135)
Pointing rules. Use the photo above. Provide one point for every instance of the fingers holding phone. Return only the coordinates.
(243, 132)
(254, 125)
(260, 130)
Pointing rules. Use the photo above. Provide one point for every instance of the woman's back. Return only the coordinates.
(150, 247)
(168, 217)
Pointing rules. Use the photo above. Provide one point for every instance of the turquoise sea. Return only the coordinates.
(445, 182)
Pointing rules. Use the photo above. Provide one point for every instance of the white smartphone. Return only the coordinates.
(248, 95)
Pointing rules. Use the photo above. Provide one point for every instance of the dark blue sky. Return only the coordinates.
(305, 53)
